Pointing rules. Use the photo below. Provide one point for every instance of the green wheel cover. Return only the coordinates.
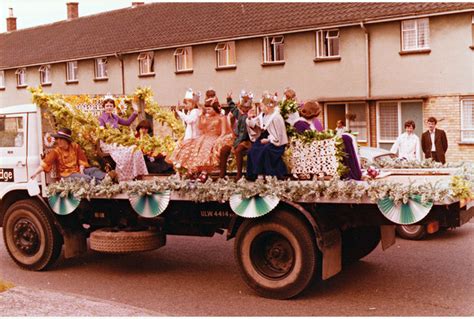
(150, 206)
(63, 205)
(253, 207)
(405, 214)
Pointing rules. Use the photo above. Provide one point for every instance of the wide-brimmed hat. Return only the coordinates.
(63, 133)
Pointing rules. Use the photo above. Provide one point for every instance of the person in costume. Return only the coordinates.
(154, 164)
(267, 131)
(190, 114)
(308, 117)
(127, 160)
(203, 152)
(241, 145)
(69, 160)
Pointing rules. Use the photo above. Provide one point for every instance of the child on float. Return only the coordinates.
(241, 144)
(129, 162)
(190, 114)
(267, 131)
(154, 164)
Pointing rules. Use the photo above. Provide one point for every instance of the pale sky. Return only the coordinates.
(30, 13)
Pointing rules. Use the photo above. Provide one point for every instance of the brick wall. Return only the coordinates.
(447, 110)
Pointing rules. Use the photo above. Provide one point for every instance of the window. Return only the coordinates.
(327, 43)
(45, 74)
(146, 63)
(11, 132)
(273, 49)
(2, 79)
(101, 68)
(184, 59)
(467, 120)
(21, 77)
(415, 34)
(225, 54)
(388, 121)
(71, 71)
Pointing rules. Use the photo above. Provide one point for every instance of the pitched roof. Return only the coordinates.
(161, 25)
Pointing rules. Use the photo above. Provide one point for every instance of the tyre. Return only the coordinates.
(276, 254)
(359, 242)
(30, 236)
(412, 232)
(109, 240)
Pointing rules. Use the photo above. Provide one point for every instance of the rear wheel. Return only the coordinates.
(30, 237)
(359, 242)
(412, 232)
(276, 254)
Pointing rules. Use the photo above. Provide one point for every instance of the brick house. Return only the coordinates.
(375, 65)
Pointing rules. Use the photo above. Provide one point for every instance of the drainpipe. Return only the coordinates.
(367, 60)
(120, 58)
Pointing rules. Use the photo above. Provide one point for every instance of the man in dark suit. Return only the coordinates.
(434, 142)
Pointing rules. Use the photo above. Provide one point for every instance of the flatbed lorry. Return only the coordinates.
(281, 243)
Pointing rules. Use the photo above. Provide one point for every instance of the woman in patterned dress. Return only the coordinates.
(202, 153)
(129, 162)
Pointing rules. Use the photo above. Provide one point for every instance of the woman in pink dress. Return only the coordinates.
(202, 153)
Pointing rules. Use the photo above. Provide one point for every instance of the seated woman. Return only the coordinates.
(154, 164)
(308, 117)
(129, 162)
(190, 114)
(202, 153)
(267, 131)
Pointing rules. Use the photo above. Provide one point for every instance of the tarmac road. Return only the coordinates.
(194, 276)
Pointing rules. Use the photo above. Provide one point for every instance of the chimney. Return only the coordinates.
(72, 10)
(136, 4)
(11, 21)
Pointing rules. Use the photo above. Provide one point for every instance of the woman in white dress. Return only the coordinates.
(407, 145)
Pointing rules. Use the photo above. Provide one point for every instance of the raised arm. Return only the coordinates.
(128, 121)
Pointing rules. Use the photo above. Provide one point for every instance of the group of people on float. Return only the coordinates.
(255, 129)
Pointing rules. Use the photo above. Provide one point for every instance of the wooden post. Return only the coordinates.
(141, 109)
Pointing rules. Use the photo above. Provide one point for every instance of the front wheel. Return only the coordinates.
(30, 237)
(276, 254)
(412, 232)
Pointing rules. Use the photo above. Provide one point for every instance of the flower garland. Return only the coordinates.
(85, 125)
(294, 191)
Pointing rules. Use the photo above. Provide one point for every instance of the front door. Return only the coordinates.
(413, 111)
(334, 113)
(13, 149)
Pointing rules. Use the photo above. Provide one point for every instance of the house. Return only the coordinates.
(374, 65)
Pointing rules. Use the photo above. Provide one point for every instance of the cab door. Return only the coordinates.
(13, 148)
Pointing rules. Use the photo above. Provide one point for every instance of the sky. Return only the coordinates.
(30, 13)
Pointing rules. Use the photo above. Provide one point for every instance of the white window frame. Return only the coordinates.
(323, 38)
(101, 68)
(272, 43)
(346, 121)
(464, 129)
(229, 48)
(2, 79)
(146, 63)
(45, 74)
(185, 55)
(71, 71)
(416, 30)
(20, 77)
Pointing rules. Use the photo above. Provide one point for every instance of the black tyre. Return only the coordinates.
(30, 237)
(276, 254)
(359, 242)
(412, 232)
(109, 240)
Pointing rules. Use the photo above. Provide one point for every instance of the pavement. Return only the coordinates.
(24, 301)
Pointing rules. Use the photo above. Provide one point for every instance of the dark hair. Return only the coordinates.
(144, 124)
(108, 100)
(410, 123)
(214, 104)
(342, 122)
(210, 93)
(432, 120)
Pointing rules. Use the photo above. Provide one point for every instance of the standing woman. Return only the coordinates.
(407, 145)
(129, 162)
(268, 133)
